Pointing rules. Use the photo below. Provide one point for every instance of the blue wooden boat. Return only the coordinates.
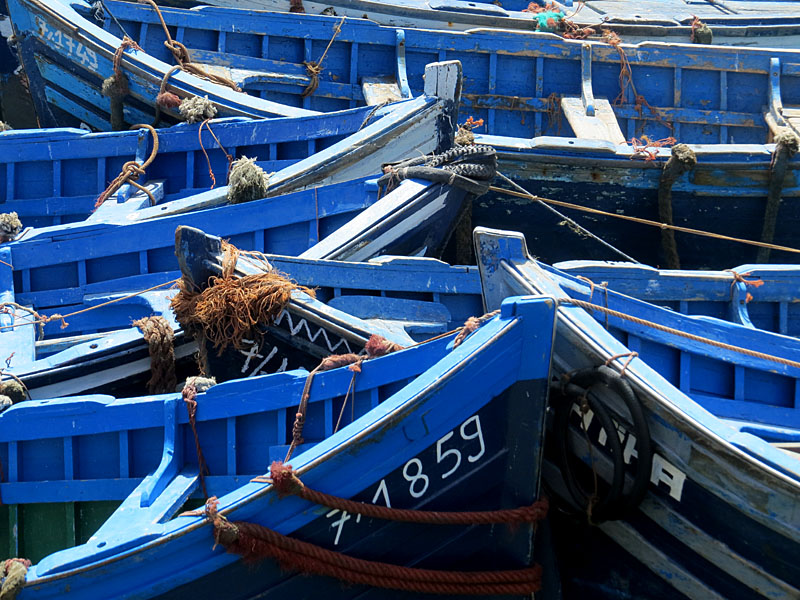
(737, 23)
(55, 269)
(726, 104)
(299, 330)
(762, 296)
(694, 442)
(55, 176)
(97, 350)
(135, 461)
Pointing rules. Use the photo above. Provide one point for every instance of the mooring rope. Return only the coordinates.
(597, 211)
(286, 482)
(253, 541)
(677, 332)
(42, 320)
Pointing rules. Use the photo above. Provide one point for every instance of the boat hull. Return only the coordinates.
(712, 490)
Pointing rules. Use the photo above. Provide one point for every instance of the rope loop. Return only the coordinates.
(131, 171)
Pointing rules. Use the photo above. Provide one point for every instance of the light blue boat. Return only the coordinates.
(691, 427)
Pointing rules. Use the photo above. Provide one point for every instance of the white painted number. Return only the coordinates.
(63, 41)
(382, 489)
(413, 479)
(477, 434)
(441, 455)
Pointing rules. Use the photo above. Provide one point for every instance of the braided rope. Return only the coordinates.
(286, 482)
(158, 334)
(253, 541)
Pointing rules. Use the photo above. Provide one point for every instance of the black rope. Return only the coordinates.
(615, 501)
(471, 168)
(99, 9)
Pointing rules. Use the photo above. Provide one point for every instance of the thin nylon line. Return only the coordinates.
(519, 188)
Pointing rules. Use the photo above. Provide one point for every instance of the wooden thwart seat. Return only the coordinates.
(602, 126)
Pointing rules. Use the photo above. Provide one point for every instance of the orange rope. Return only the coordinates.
(690, 336)
(597, 211)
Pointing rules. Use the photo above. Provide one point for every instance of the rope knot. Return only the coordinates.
(10, 226)
(225, 532)
(380, 346)
(284, 479)
(168, 100)
(787, 140)
(179, 51)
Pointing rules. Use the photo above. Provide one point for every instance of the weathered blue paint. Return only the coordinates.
(404, 400)
(61, 269)
(719, 519)
(739, 22)
(54, 176)
(762, 296)
(710, 98)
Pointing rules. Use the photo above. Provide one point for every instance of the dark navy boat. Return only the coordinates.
(135, 461)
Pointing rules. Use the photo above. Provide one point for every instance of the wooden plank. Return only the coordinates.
(602, 126)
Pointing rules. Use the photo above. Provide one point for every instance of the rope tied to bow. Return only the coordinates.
(471, 168)
(115, 87)
(131, 171)
(286, 482)
(314, 68)
(159, 336)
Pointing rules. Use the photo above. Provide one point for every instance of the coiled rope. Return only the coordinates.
(471, 168)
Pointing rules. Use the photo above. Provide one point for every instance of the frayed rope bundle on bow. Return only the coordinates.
(231, 307)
